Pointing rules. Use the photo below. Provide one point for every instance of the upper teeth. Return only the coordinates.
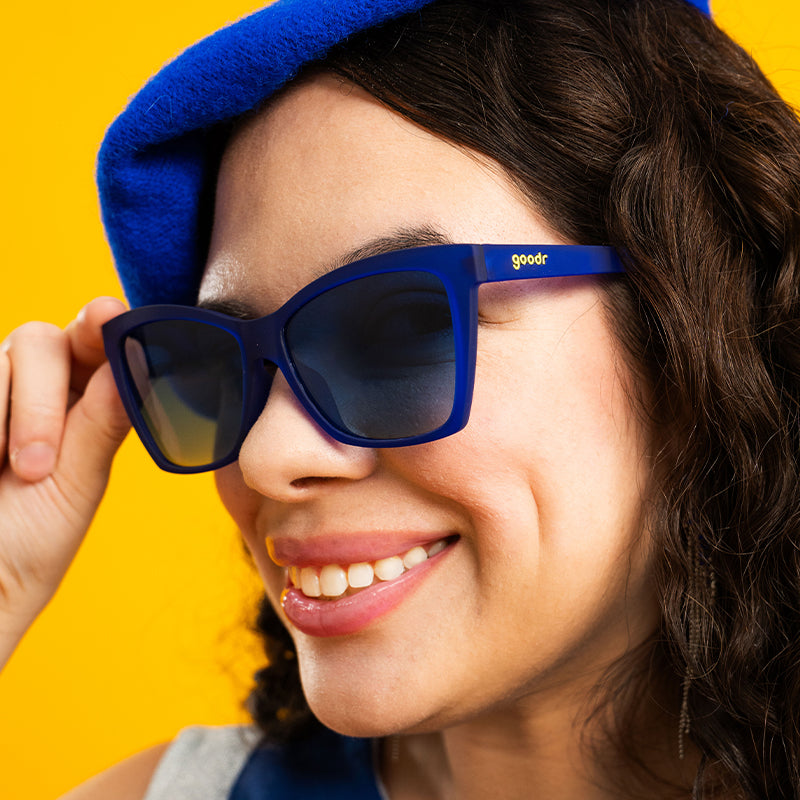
(333, 580)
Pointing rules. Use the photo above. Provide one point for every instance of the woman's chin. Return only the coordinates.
(370, 708)
(365, 712)
(353, 725)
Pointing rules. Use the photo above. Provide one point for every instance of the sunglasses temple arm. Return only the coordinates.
(514, 262)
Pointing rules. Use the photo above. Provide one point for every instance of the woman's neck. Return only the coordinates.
(516, 753)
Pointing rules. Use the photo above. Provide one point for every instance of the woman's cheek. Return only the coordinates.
(243, 505)
(240, 502)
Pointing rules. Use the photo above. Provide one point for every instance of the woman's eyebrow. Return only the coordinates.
(230, 306)
(401, 239)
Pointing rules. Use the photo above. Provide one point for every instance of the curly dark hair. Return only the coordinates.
(639, 124)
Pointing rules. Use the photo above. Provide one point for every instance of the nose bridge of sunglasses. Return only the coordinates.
(260, 381)
(266, 354)
(263, 345)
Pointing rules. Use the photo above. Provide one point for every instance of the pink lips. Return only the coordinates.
(352, 613)
(344, 548)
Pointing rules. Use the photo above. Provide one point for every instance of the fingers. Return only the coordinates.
(86, 338)
(44, 374)
(95, 428)
(55, 455)
(40, 369)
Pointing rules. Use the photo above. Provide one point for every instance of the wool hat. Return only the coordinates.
(158, 161)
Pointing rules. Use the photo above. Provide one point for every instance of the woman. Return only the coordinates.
(581, 583)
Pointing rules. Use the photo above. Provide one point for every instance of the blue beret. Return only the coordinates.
(156, 159)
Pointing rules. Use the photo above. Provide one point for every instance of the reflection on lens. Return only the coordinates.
(188, 376)
(377, 354)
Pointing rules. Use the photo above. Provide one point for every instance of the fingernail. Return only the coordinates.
(34, 461)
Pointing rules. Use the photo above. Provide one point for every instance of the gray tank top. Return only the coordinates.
(202, 763)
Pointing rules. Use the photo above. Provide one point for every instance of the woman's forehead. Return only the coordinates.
(328, 169)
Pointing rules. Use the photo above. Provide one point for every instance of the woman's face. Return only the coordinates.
(545, 578)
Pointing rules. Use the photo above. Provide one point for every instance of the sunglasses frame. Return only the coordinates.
(461, 268)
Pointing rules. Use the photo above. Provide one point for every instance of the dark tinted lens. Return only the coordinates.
(188, 377)
(377, 354)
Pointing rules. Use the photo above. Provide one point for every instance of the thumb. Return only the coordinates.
(95, 428)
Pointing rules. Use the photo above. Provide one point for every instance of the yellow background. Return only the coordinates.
(148, 632)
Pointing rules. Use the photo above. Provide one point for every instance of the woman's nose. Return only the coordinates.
(286, 454)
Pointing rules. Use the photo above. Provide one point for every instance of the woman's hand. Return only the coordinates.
(61, 421)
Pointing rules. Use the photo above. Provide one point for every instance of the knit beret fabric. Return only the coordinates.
(157, 163)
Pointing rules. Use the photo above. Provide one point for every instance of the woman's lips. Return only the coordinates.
(347, 547)
(363, 590)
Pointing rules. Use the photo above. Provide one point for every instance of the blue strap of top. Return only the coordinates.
(326, 766)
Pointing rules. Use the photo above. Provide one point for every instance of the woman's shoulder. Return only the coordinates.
(127, 780)
(200, 762)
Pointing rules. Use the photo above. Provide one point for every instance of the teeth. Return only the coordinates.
(334, 580)
(309, 582)
(387, 569)
(437, 547)
(360, 575)
(414, 556)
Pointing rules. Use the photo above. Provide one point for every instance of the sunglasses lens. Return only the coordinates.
(377, 354)
(188, 380)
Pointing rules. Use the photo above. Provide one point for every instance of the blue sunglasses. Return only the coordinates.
(380, 352)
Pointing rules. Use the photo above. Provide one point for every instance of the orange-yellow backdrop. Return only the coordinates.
(148, 632)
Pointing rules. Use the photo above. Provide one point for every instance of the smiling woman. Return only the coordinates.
(552, 516)
(485, 317)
